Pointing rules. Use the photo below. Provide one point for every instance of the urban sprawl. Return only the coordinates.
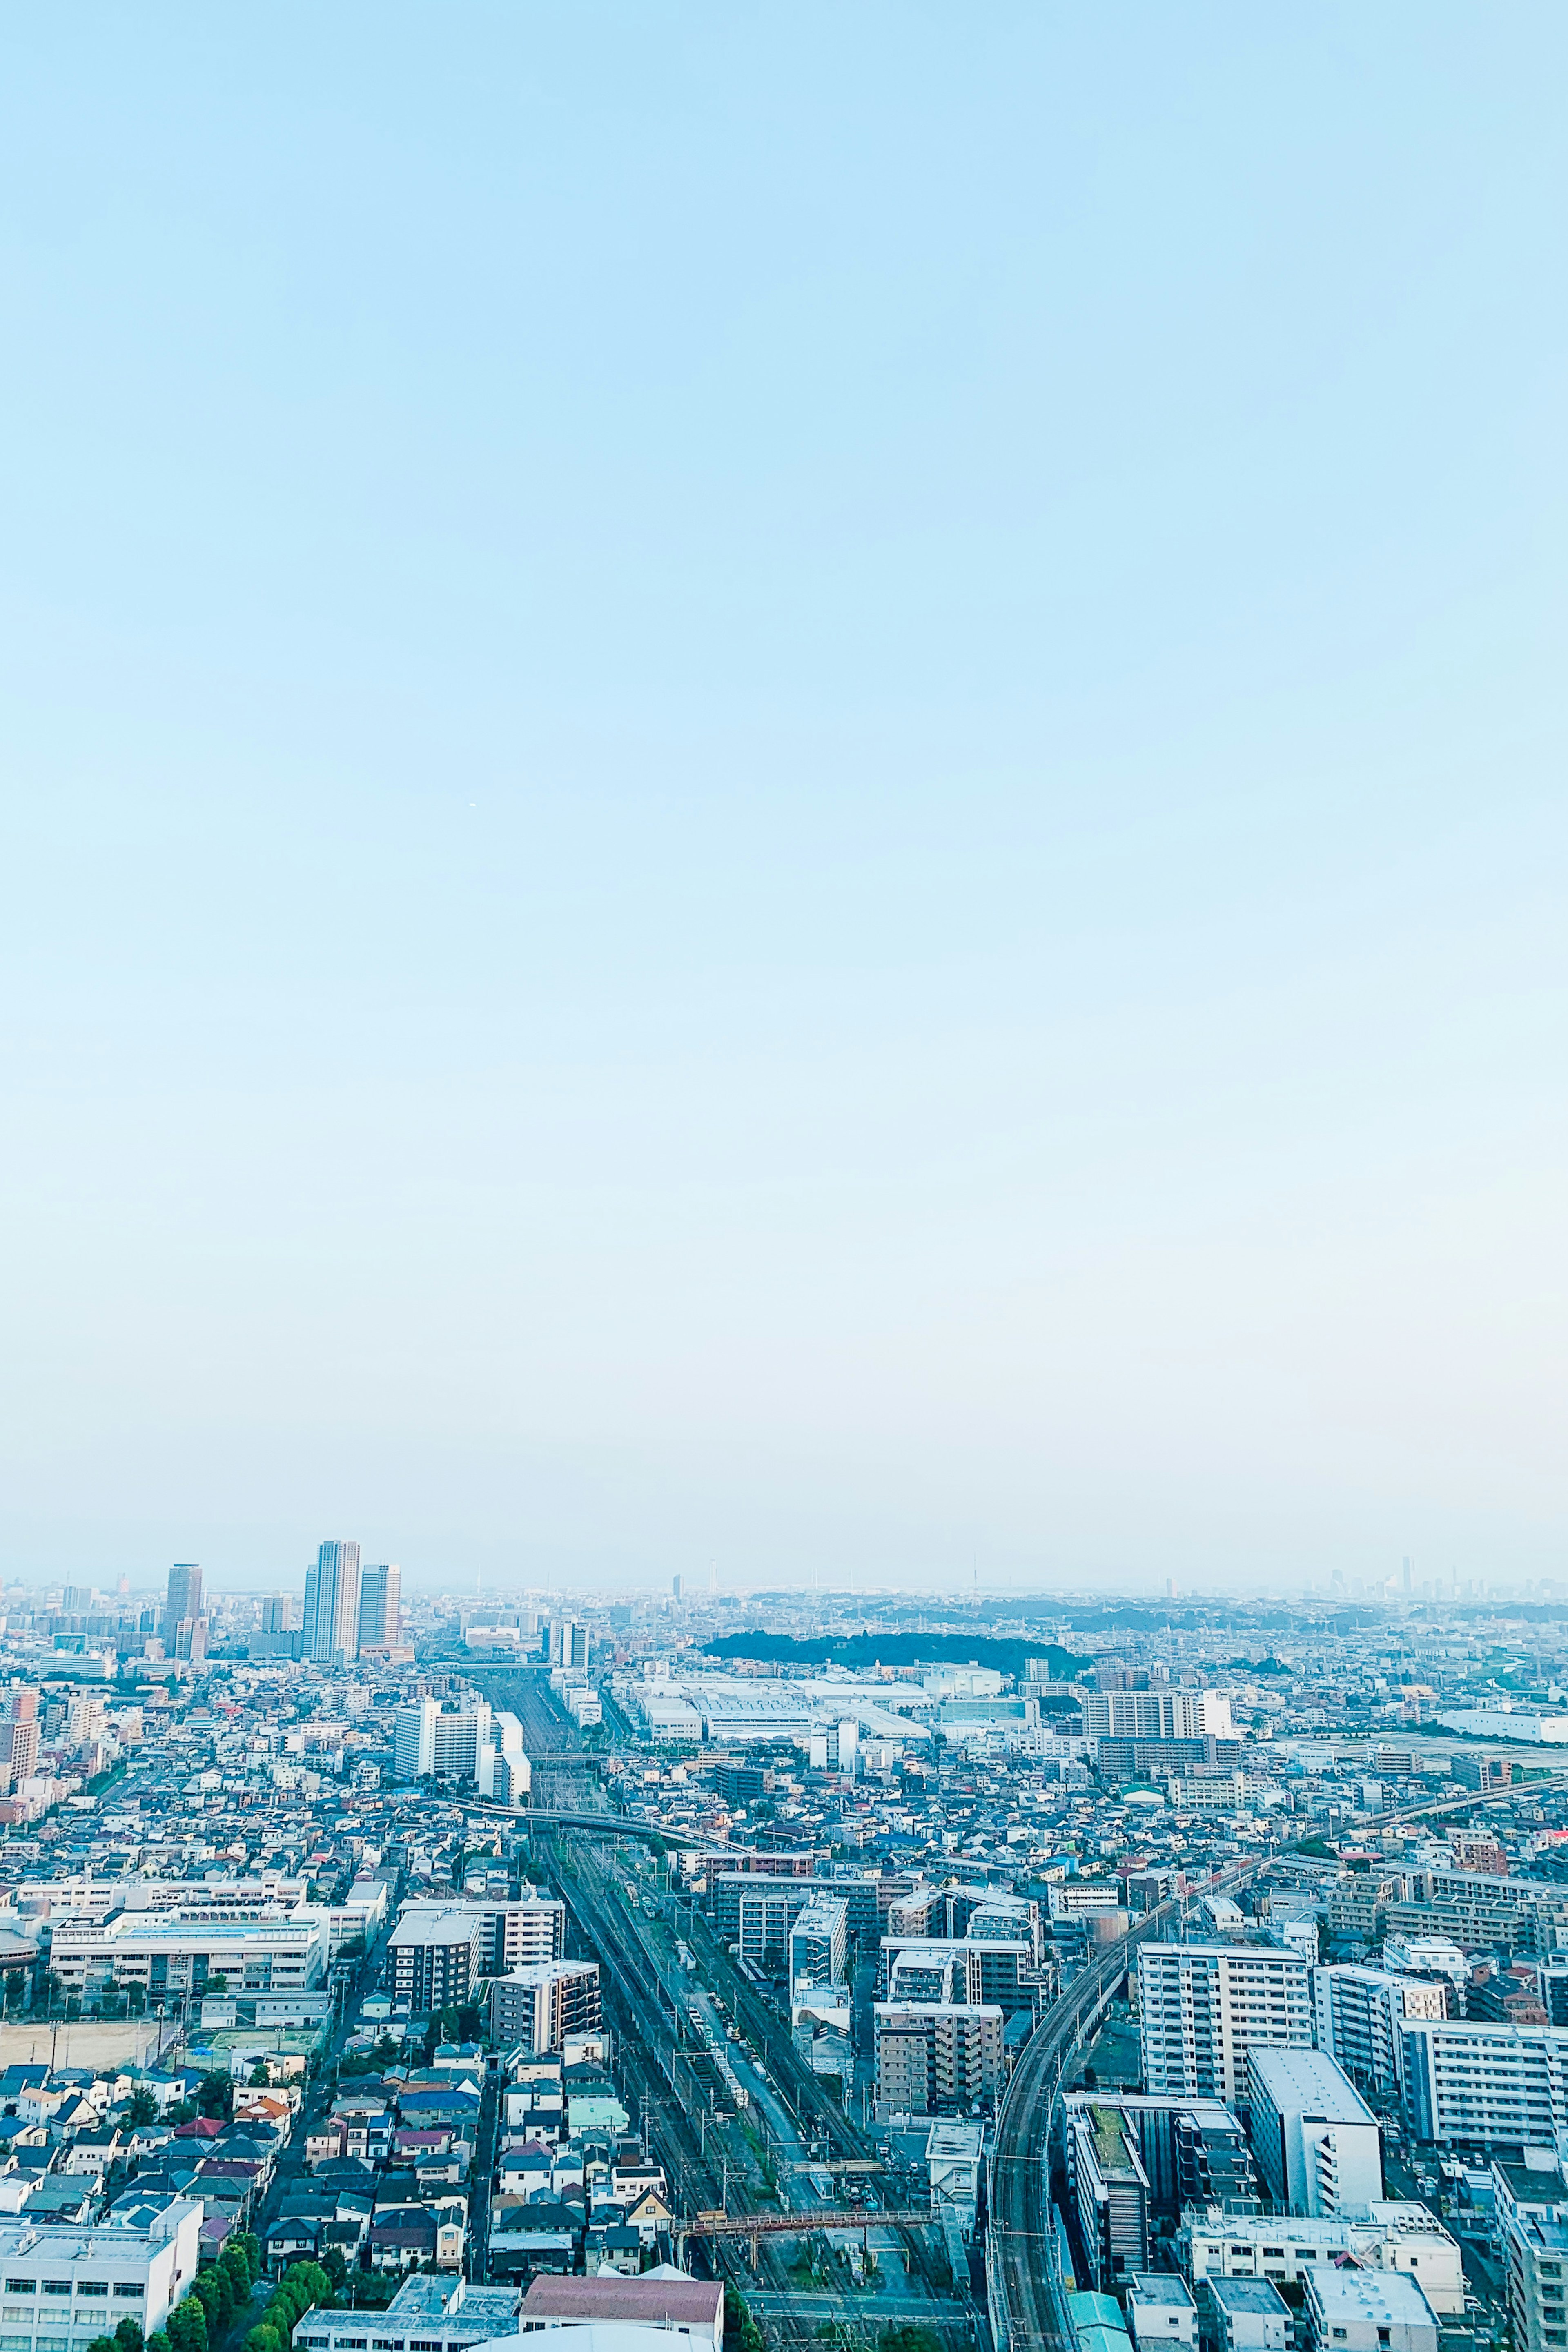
(394, 1973)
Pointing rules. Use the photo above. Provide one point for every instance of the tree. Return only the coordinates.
(232, 2261)
(142, 2109)
(245, 2242)
(214, 2095)
(216, 1984)
(188, 2326)
(128, 2335)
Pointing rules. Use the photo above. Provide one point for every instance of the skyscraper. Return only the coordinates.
(183, 1601)
(332, 1605)
(380, 1607)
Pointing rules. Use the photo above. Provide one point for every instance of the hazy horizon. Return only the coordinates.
(787, 791)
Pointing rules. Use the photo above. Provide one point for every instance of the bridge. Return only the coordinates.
(614, 1826)
(755, 2226)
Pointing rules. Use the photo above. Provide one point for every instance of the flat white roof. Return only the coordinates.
(1308, 2083)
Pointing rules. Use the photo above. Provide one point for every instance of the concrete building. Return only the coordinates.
(73, 2285)
(380, 1607)
(414, 1741)
(1415, 1954)
(936, 2060)
(1193, 2151)
(332, 1605)
(1477, 1909)
(1393, 2236)
(1161, 2310)
(436, 1956)
(257, 1946)
(1110, 2190)
(503, 1773)
(819, 1950)
(662, 2299)
(1531, 2205)
(1367, 2311)
(543, 2005)
(1156, 1715)
(1486, 2087)
(1242, 2315)
(1203, 2006)
(955, 2159)
(1315, 2138)
(1358, 2013)
(443, 2315)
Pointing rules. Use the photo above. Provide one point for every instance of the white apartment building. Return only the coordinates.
(545, 2006)
(503, 1773)
(1393, 2236)
(935, 2058)
(1201, 2007)
(1358, 2013)
(1358, 2311)
(1532, 2229)
(1315, 2138)
(1486, 2085)
(256, 1945)
(65, 2286)
(1157, 1714)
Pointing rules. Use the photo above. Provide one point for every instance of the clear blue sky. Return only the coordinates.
(785, 786)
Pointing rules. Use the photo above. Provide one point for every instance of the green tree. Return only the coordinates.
(188, 2326)
(158, 2341)
(128, 2335)
(232, 2261)
(101, 2344)
(142, 2109)
(247, 2243)
(214, 2095)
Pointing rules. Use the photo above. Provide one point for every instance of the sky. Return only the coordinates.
(781, 794)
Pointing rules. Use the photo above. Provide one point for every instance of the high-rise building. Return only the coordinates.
(332, 1605)
(1478, 2085)
(1200, 2006)
(182, 1612)
(414, 1741)
(502, 1770)
(19, 1737)
(545, 2005)
(1110, 2188)
(1315, 2138)
(568, 1642)
(934, 2059)
(1532, 2227)
(1157, 1714)
(380, 1607)
(1359, 2012)
(279, 1613)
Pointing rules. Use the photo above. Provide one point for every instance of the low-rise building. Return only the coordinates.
(1368, 2311)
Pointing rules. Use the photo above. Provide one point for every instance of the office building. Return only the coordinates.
(1367, 2311)
(332, 1605)
(1393, 2236)
(380, 1607)
(542, 2007)
(72, 2284)
(1358, 2013)
(1203, 2006)
(1315, 2138)
(1108, 2188)
(935, 2060)
(279, 1614)
(567, 1643)
(1157, 1714)
(1485, 2087)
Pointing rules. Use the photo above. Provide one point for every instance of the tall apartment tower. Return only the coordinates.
(19, 1737)
(1200, 2006)
(332, 1605)
(182, 1607)
(413, 1740)
(380, 1607)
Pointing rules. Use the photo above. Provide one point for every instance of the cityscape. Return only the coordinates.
(784, 1969)
(783, 1060)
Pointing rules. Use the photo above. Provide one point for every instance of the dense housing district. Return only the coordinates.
(386, 1973)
